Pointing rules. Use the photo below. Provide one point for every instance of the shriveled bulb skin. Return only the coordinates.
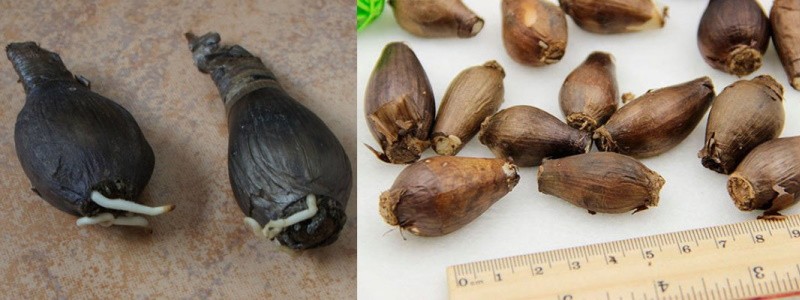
(784, 18)
(603, 182)
(436, 18)
(615, 16)
(72, 142)
(474, 94)
(744, 115)
(589, 95)
(399, 105)
(733, 36)
(768, 178)
(534, 31)
(656, 121)
(528, 135)
(441, 194)
(279, 152)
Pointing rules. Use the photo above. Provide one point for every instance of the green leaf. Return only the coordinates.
(367, 11)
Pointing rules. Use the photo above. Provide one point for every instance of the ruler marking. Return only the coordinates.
(705, 288)
(798, 269)
(743, 228)
(623, 253)
(756, 226)
(655, 288)
(694, 294)
(749, 292)
(547, 257)
(750, 227)
(730, 289)
(715, 292)
(769, 230)
(794, 280)
(752, 279)
(789, 278)
(772, 283)
(680, 288)
(725, 292)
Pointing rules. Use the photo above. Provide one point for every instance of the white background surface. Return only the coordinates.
(526, 221)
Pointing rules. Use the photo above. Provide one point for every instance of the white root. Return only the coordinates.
(274, 227)
(253, 224)
(125, 205)
(98, 219)
(107, 219)
(137, 221)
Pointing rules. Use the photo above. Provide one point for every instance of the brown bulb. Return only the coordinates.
(527, 135)
(656, 121)
(534, 31)
(784, 19)
(436, 18)
(615, 16)
(474, 94)
(589, 95)
(441, 194)
(601, 182)
(733, 36)
(768, 178)
(744, 115)
(399, 105)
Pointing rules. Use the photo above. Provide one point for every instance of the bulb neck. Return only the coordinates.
(35, 65)
(235, 71)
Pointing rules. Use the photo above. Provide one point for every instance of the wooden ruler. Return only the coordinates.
(744, 260)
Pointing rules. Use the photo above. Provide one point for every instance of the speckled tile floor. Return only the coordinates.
(134, 52)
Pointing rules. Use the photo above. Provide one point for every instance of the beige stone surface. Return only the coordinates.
(134, 52)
